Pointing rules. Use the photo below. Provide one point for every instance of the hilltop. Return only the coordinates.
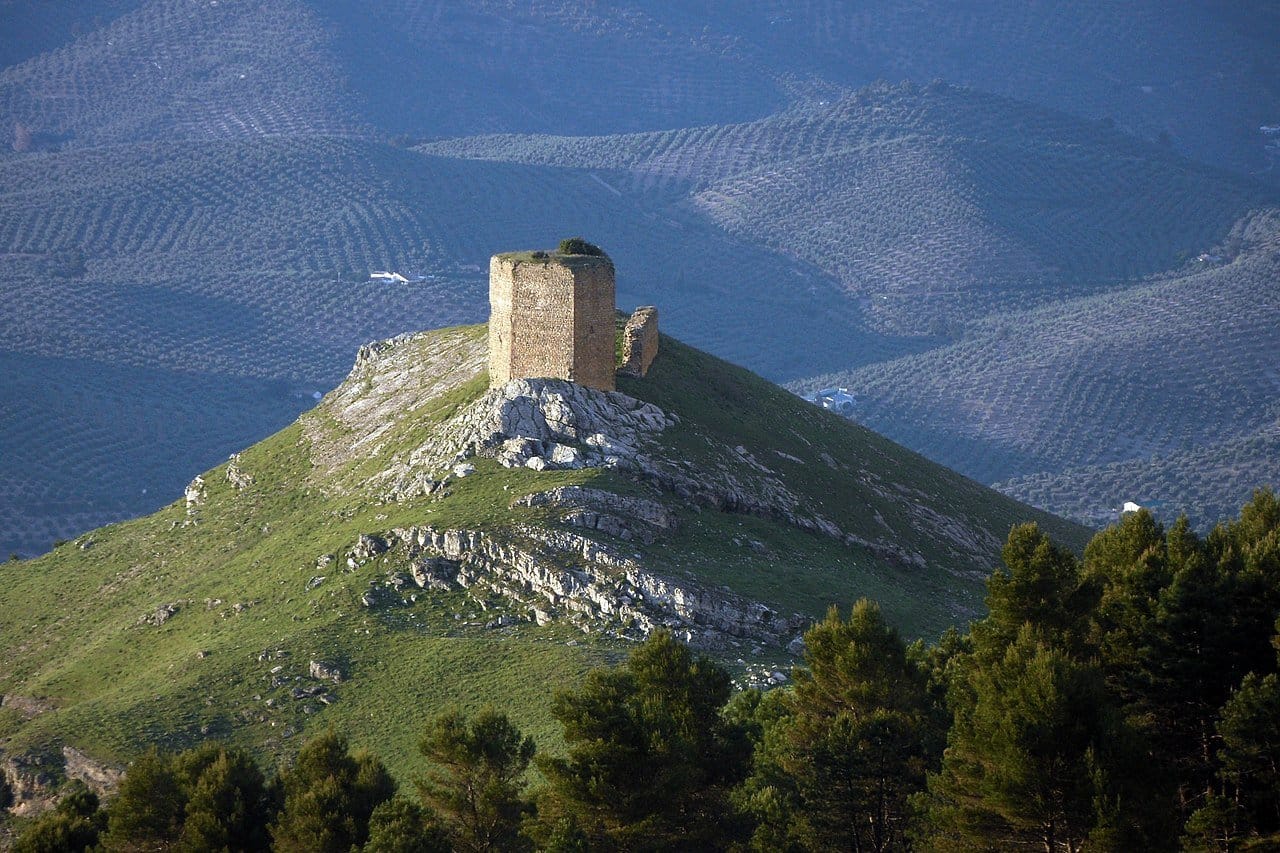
(171, 300)
(419, 539)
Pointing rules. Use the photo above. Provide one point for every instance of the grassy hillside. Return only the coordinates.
(252, 604)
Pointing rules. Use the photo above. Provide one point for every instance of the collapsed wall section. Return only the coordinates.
(639, 341)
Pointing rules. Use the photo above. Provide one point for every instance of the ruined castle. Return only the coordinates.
(553, 315)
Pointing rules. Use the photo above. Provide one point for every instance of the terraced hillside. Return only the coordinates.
(930, 206)
(1165, 393)
(1202, 76)
(356, 539)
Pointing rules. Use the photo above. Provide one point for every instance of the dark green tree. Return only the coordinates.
(206, 798)
(228, 807)
(1244, 809)
(75, 824)
(56, 832)
(1180, 622)
(1040, 585)
(476, 779)
(650, 760)
(1041, 758)
(148, 811)
(400, 825)
(329, 796)
(853, 744)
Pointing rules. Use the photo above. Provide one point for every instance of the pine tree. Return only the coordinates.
(147, 813)
(227, 806)
(400, 825)
(329, 797)
(853, 743)
(650, 759)
(1041, 758)
(476, 779)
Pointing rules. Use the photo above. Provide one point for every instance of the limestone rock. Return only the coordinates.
(323, 670)
(195, 495)
(367, 547)
(237, 476)
(161, 614)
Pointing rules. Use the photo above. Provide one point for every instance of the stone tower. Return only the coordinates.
(551, 315)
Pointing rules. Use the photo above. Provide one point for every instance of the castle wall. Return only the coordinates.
(640, 341)
(551, 317)
(595, 328)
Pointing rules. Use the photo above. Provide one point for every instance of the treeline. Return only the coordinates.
(1126, 701)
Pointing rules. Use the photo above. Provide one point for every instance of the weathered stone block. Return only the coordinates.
(639, 341)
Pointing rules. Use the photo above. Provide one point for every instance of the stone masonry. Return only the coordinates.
(639, 341)
(551, 316)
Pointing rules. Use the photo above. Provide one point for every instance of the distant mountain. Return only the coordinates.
(397, 549)
(930, 206)
(1164, 393)
(1202, 76)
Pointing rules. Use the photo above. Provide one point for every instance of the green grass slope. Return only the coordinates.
(250, 604)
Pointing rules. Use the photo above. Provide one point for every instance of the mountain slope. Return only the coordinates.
(930, 206)
(1075, 401)
(358, 538)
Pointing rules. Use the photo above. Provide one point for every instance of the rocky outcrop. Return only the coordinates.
(194, 494)
(161, 614)
(36, 777)
(323, 670)
(236, 475)
(550, 572)
(543, 424)
(103, 779)
(627, 518)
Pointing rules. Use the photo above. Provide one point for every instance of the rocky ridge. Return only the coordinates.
(577, 566)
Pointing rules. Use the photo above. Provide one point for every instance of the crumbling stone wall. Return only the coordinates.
(639, 341)
(551, 316)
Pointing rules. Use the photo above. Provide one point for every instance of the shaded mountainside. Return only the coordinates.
(1087, 404)
(418, 539)
(1202, 75)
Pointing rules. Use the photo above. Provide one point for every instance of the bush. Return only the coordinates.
(579, 246)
